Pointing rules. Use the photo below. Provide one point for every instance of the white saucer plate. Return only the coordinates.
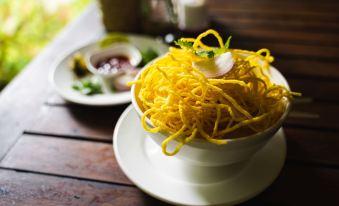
(174, 181)
(62, 78)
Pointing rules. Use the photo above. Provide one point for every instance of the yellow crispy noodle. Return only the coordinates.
(181, 102)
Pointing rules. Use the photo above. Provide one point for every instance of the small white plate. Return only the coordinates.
(174, 181)
(62, 77)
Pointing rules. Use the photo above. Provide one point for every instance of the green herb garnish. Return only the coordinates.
(113, 38)
(228, 42)
(78, 65)
(147, 56)
(184, 44)
(87, 87)
(201, 52)
(205, 53)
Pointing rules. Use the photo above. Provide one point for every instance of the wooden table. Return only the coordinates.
(56, 153)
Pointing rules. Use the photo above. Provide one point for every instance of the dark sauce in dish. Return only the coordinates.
(113, 64)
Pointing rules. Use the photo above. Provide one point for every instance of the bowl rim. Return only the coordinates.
(257, 135)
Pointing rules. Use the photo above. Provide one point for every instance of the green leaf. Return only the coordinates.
(184, 44)
(113, 38)
(76, 87)
(227, 44)
(219, 51)
(205, 53)
(147, 56)
(78, 65)
(87, 87)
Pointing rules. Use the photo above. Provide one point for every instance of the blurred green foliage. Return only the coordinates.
(26, 26)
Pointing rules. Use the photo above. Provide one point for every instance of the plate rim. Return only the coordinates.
(61, 57)
(130, 109)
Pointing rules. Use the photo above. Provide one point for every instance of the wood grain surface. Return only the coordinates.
(53, 152)
(67, 157)
(300, 184)
(77, 121)
(25, 189)
(313, 146)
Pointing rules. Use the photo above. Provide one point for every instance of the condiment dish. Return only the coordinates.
(125, 56)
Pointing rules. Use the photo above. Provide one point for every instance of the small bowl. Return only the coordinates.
(119, 49)
(203, 153)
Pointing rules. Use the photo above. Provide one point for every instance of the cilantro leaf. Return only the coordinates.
(205, 53)
(184, 44)
(87, 87)
(227, 44)
(147, 56)
(111, 38)
(219, 51)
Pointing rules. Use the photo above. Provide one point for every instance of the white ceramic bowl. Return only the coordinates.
(204, 153)
(118, 49)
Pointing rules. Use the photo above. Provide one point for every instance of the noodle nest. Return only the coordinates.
(183, 103)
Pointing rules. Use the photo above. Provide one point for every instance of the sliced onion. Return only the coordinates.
(120, 82)
(215, 67)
